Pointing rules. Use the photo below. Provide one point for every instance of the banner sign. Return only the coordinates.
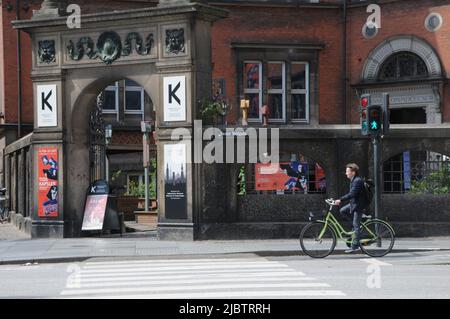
(94, 212)
(175, 181)
(47, 181)
(47, 106)
(95, 208)
(174, 98)
(281, 176)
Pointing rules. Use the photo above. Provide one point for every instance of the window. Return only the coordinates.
(416, 169)
(111, 104)
(294, 174)
(300, 91)
(403, 65)
(273, 80)
(134, 98)
(276, 90)
(252, 88)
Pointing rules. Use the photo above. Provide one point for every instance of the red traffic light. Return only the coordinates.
(364, 102)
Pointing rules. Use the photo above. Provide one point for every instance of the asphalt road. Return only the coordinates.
(247, 276)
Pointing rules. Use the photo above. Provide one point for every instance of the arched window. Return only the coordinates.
(417, 171)
(294, 174)
(403, 66)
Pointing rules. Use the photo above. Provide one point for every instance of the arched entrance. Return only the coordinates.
(165, 52)
(409, 70)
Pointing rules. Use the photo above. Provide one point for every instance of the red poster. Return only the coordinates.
(281, 176)
(94, 212)
(48, 181)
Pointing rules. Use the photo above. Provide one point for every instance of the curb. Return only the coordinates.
(261, 253)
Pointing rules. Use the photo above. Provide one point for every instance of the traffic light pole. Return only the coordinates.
(376, 173)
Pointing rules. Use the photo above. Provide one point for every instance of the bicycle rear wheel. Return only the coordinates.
(377, 238)
(317, 240)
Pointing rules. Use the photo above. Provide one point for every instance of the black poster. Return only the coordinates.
(175, 181)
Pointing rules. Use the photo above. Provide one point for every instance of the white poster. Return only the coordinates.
(46, 105)
(174, 98)
(175, 181)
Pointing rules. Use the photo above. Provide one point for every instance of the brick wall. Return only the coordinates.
(398, 18)
(275, 25)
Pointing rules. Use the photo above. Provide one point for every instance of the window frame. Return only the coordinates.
(278, 91)
(113, 88)
(253, 91)
(133, 88)
(305, 92)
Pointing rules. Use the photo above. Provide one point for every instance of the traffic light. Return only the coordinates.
(375, 119)
(364, 102)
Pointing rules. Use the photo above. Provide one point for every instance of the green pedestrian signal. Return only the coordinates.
(374, 126)
(375, 119)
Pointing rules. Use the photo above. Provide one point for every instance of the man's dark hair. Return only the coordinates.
(353, 167)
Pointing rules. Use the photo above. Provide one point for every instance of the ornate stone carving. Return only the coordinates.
(175, 41)
(109, 47)
(84, 46)
(140, 48)
(46, 51)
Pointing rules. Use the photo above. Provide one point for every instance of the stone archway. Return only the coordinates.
(165, 49)
(424, 93)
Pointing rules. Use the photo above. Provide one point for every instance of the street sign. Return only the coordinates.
(174, 98)
(46, 105)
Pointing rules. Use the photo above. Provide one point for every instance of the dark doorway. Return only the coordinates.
(408, 116)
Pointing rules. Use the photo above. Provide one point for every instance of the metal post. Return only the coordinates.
(376, 172)
(146, 150)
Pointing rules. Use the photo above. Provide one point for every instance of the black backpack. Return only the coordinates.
(369, 189)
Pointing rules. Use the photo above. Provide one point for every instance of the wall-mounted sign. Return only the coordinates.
(175, 181)
(174, 98)
(47, 181)
(46, 105)
(281, 176)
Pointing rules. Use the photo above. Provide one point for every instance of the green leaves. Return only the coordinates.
(435, 183)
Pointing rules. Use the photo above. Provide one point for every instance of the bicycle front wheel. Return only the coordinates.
(317, 240)
(377, 238)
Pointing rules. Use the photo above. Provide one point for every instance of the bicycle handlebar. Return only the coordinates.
(330, 201)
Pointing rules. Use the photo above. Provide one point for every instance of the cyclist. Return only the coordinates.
(358, 203)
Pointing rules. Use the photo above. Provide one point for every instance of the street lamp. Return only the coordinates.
(108, 137)
(146, 128)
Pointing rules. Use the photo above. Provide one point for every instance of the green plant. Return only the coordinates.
(435, 183)
(212, 109)
(138, 190)
(242, 190)
(116, 175)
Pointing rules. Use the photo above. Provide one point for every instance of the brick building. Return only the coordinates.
(308, 61)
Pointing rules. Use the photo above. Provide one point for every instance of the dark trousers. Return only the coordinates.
(346, 213)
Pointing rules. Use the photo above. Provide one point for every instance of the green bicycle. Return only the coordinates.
(318, 238)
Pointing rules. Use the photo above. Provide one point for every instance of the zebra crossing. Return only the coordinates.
(192, 279)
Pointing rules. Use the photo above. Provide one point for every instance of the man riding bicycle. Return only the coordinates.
(358, 202)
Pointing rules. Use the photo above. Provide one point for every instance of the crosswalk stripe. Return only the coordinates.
(174, 261)
(190, 271)
(225, 295)
(84, 284)
(132, 277)
(187, 264)
(182, 267)
(196, 287)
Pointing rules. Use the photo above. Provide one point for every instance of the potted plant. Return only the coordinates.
(212, 109)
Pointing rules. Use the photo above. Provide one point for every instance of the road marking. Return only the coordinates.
(227, 295)
(374, 261)
(193, 278)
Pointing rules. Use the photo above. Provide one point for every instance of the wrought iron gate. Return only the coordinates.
(97, 150)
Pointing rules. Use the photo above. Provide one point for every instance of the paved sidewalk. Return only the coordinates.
(145, 244)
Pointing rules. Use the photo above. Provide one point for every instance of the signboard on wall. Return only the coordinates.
(281, 176)
(46, 105)
(174, 98)
(48, 181)
(175, 181)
